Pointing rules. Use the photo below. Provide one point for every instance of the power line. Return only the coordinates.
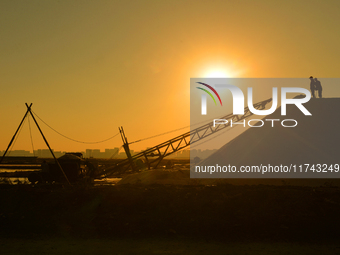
(190, 126)
(74, 140)
(147, 138)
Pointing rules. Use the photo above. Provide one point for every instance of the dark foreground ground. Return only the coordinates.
(136, 219)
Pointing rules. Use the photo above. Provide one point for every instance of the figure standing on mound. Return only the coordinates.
(318, 87)
(312, 86)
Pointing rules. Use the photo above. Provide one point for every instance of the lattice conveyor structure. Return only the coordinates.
(153, 156)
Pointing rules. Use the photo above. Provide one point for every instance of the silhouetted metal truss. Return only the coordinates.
(153, 156)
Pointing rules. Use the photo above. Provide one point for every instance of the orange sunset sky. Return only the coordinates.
(93, 65)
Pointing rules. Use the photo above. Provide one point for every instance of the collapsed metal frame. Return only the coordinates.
(178, 143)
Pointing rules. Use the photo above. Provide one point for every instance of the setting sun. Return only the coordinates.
(217, 73)
(222, 72)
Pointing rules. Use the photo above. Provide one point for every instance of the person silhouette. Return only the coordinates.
(312, 86)
(318, 87)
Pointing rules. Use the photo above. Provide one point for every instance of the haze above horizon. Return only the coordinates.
(91, 66)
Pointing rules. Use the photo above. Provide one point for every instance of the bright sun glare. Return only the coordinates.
(217, 74)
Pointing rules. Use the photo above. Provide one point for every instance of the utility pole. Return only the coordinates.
(127, 149)
(56, 160)
(16, 132)
(10, 143)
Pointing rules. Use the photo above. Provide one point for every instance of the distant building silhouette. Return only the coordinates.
(108, 153)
